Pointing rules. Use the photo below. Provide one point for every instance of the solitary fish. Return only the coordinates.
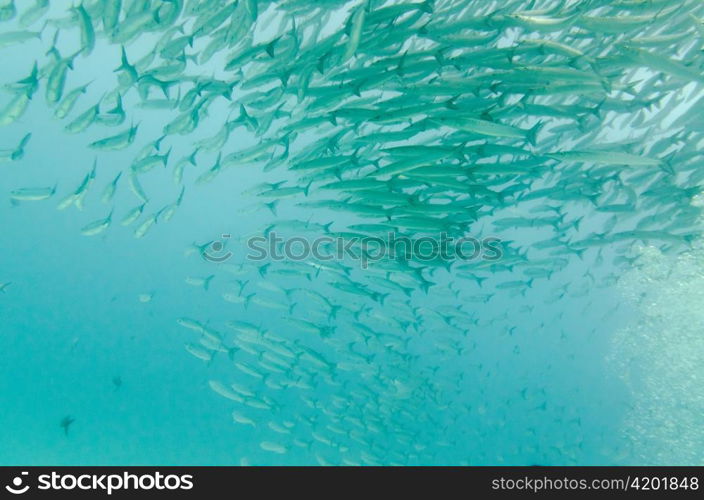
(32, 194)
(242, 419)
(97, 227)
(17, 153)
(66, 423)
(200, 282)
(273, 447)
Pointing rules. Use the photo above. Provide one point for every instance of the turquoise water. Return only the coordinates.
(161, 341)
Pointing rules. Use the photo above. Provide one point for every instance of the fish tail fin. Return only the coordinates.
(263, 269)
(210, 359)
(243, 117)
(447, 264)
(124, 63)
(285, 142)
(533, 132)
(248, 299)
(272, 206)
(270, 48)
(118, 106)
(166, 156)
(666, 164)
(206, 282)
(242, 284)
(164, 86)
(577, 222)
(192, 157)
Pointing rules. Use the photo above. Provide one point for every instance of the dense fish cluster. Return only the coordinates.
(558, 134)
(660, 356)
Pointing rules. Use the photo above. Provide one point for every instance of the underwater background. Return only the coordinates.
(151, 151)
